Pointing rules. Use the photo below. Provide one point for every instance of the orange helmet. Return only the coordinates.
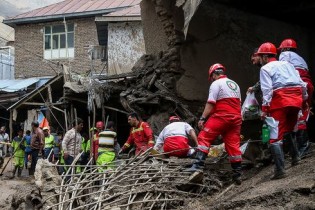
(215, 67)
(267, 48)
(174, 118)
(100, 125)
(288, 43)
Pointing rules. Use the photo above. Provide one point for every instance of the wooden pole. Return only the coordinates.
(103, 113)
(11, 126)
(66, 119)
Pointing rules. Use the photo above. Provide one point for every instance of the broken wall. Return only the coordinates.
(125, 46)
(153, 30)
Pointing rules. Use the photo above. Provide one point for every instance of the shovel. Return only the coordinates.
(10, 158)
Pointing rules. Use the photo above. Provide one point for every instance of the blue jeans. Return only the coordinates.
(68, 161)
(46, 153)
(34, 160)
(26, 158)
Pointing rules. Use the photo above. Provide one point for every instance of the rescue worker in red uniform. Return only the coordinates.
(141, 135)
(288, 53)
(174, 138)
(100, 127)
(283, 94)
(223, 110)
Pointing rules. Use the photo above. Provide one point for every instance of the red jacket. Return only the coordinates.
(141, 136)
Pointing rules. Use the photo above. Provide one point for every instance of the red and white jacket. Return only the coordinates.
(225, 95)
(174, 129)
(281, 86)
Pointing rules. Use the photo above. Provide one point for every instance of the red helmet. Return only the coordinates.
(174, 118)
(100, 125)
(288, 43)
(215, 67)
(267, 48)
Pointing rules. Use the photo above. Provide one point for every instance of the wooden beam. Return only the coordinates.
(42, 104)
(59, 109)
(49, 93)
(76, 99)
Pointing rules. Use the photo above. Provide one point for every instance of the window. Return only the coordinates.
(59, 43)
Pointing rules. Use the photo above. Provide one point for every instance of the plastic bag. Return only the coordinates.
(250, 108)
(273, 126)
(216, 150)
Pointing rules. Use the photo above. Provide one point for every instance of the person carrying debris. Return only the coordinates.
(140, 134)
(71, 143)
(37, 143)
(223, 110)
(284, 93)
(49, 144)
(174, 138)
(288, 53)
(99, 128)
(106, 147)
(18, 145)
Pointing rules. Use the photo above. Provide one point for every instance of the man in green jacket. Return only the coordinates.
(48, 144)
(18, 145)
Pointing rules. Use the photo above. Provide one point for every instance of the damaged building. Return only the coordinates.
(166, 74)
(151, 57)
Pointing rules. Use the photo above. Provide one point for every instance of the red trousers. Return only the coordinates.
(177, 145)
(310, 89)
(287, 118)
(229, 127)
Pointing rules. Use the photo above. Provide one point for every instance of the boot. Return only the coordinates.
(302, 142)
(293, 148)
(237, 172)
(30, 172)
(19, 172)
(278, 156)
(1, 161)
(14, 171)
(200, 162)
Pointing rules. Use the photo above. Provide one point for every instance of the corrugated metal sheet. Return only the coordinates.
(19, 84)
(76, 6)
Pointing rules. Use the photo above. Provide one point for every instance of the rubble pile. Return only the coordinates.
(150, 89)
(142, 182)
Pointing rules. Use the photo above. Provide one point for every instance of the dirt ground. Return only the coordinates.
(296, 191)
(19, 187)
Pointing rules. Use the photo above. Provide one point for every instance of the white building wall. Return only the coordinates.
(6, 63)
(125, 46)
